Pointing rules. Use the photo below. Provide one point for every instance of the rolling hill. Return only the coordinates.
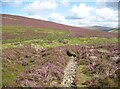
(115, 30)
(13, 20)
(101, 28)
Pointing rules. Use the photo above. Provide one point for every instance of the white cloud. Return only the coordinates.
(39, 6)
(61, 19)
(82, 15)
(57, 17)
(37, 17)
(64, 2)
(107, 14)
(90, 15)
(81, 11)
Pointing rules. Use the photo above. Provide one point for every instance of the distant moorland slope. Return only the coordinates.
(13, 20)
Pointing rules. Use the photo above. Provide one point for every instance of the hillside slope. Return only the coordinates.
(12, 20)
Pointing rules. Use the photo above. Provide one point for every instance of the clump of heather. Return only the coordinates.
(46, 69)
(101, 63)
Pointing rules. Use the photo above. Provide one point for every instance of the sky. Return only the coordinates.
(78, 13)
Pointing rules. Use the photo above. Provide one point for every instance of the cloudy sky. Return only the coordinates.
(77, 13)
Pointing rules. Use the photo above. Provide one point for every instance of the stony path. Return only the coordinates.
(69, 73)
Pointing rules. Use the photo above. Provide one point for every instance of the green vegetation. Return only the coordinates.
(92, 40)
(53, 42)
(44, 37)
(10, 72)
(81, 77)
(20, 34)
(13, 29)
(46, 30)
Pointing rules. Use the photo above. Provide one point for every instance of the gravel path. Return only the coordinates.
(69, 72)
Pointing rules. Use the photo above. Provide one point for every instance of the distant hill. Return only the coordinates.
(13, 20)
(101, 28)
(115, 30)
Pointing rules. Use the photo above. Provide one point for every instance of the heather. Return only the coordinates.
(97, 66)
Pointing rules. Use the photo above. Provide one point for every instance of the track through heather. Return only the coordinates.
(69, 73)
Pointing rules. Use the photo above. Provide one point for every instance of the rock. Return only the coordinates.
(71, 53)
(103, 50)
(93, 57)
(53, 83)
